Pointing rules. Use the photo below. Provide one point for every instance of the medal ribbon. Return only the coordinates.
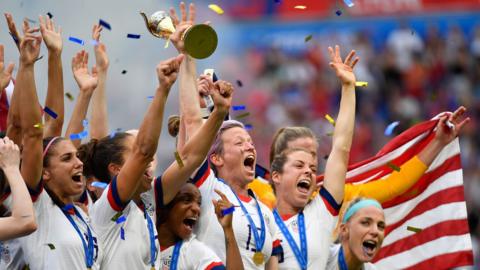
(151, 233)
(259, 239)
(88, 248)
(301, 255)
(341, 260)
(176, 254)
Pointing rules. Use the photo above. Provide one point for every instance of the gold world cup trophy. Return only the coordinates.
(200, 40)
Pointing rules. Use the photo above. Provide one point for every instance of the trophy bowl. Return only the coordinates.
(200, 40)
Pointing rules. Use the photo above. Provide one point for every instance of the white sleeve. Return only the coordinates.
(325, 205)
(205, 258)
(107, 206)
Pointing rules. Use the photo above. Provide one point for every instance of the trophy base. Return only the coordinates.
(200, 41)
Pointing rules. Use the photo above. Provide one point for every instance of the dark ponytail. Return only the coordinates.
(98, 154)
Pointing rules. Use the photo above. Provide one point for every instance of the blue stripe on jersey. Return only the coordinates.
(34, 193)
(201, 172)
(327, 196)
(218, 267)
(114, 192)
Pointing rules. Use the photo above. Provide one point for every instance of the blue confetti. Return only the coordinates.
(150, 97)
(122, 233)
(134, 36)
(104, 24)
(390, 128)
(99, 185)
(79, 136)
(239, 107)
(338, 12)
(349, 3)
(248, 127)
(76, 40)
(121, 220)
(85, 123)
(50, 112)
(228, 211)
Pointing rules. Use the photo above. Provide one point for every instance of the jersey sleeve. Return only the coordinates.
(205, 258)
(107, 206)
(397, 183)
(205, 178)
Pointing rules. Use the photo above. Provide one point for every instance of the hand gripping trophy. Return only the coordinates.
(200, 40)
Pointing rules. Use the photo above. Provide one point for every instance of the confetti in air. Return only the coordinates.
(104, 24)
(390, 128)
(76, 40)
(216, 9)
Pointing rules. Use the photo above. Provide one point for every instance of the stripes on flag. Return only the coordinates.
(435, 204)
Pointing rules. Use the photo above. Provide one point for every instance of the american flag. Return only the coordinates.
(435, 204)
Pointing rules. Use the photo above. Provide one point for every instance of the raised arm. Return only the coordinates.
(398, 182)
(22, 221)
(234, 259)
(14, 128)
(146, 141)
(54, 100)
(190, 112)
(87, 82)
(30, 110)
(99, 115)
(337, 162)
(196, 148)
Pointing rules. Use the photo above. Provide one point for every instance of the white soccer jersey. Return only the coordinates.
(193, 255)
(210, 232)
(126, 244)
(333, 260)
(11, 254)
(320, 216)
(56, 244)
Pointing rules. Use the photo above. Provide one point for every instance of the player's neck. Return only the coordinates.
(353, 263)
(286, 209)
(238, 188)
(166, 237)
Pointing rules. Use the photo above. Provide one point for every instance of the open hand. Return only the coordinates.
(343, 70)
(85, 80)
(222, 204)
(167, 71)
(5, 73)
(51, 36)
(101, 57)
(30, 44)
(181, 25)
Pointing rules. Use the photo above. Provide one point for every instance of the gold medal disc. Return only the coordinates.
(258, 258)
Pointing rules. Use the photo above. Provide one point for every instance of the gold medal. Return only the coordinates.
(153, 268)
(258, 258)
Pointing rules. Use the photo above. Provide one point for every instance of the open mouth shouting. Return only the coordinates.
(370, 248)
(249, 163)
(189, 223)
(304, 185)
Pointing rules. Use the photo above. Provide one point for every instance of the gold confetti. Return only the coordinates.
(300, 7)
(393, 166)
(216, 9)
(330, 119)
(361, 84)
(178, 159)
(117, 215)
(243, 115)
(69, 96)
(51, 246)
(414, 229)
(308, 38)
(38, 125)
